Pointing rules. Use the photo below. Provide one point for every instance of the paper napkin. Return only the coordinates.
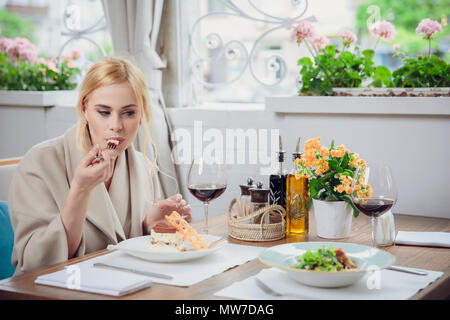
(435, 239)
(84, 277)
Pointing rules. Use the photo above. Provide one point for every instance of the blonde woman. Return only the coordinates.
(78, 193)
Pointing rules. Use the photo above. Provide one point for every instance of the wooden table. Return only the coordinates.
(431, 258)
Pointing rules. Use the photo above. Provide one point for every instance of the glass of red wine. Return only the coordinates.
(206, 181)
(374, 193)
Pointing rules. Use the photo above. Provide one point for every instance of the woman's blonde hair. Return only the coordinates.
(105, 72)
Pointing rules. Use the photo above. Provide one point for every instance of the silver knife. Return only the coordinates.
(407, 270)
(141, 272)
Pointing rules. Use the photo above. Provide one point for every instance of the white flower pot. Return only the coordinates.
(333, 219)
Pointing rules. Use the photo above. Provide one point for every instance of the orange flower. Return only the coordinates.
(313, 143)
(309, 156)
(346, 181)
(324, 152)
(322, 166)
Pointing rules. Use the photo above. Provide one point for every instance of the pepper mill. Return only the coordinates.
(244, 199)
(259, 198)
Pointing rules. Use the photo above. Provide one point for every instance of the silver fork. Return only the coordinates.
(266, 289)
(269, 291)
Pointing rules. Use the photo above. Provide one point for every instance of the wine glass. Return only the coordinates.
(206, 181)
(374, 193)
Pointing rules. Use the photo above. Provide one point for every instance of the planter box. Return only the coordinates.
(410, 92)
(30, 117)
(409, 133)
(360, 105)
(38, 98)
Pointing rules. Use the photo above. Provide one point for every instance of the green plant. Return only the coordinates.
(404, 20)
(423, 72)
(40, 76)
(13, 26)
(331, 68)
(335, 69)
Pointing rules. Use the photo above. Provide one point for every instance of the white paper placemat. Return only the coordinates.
(114, 282)
(189, 272)
(387, 285)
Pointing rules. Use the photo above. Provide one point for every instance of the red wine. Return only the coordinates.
(373, 207)
(207, 192)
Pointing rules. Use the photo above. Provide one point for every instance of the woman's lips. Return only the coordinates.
(114, 142)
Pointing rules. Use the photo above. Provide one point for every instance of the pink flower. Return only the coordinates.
(19, 48)
(304, 30)
(6, 44)
(28, 54)
(76, 54)
(348, 37)
(428, 27)
(396, 46)
(50, 63)
(70, 61)
(320, 41)
(384, 30)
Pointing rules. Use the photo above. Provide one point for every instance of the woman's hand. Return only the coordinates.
(162, 208)
(96, 167)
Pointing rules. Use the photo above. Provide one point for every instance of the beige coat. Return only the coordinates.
(39, 190)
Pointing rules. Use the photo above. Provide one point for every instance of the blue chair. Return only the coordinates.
(6, 242)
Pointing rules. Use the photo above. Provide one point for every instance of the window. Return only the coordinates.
(241, 50)
(43, 21)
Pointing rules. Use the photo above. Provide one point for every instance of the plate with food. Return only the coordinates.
(326, 264)
(175, 241)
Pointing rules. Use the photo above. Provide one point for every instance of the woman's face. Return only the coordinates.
(112, 113)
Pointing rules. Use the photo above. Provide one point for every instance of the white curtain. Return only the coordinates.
(134, 28)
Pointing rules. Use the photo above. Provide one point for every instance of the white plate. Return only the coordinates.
(140, 247)
(366, 259)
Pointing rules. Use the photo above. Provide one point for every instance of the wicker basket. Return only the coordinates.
(243, 228)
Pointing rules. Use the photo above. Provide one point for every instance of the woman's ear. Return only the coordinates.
(84, 109)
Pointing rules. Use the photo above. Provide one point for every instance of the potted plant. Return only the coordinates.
(334, 68)
(331, 172)
(426, 71)
(21, 69)
(343, 72)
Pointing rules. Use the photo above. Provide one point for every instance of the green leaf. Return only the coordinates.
(345, 160)
(334, 165)
(369, 54)
(348, 199)
(305, 62)
(313, 187)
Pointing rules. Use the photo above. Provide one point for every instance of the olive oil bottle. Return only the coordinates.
(297, 192)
